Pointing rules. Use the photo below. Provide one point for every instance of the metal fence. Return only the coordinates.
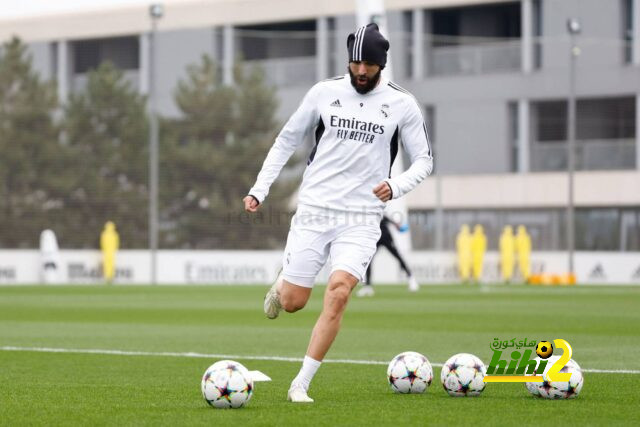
(615, 154)
(477, 58)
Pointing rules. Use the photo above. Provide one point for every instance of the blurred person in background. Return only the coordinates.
(523, 248)
(386, 240)
(507, 253)
(109, 244)
(463, 247)
(478, 249)
(357, 120)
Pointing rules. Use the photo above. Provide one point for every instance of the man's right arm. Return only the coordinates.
(290, 137)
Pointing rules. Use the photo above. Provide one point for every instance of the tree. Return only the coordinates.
(106, 129)
(31, 187)
(210, 158)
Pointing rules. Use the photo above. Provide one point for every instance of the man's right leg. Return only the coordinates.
(306, 252)
(286, 296)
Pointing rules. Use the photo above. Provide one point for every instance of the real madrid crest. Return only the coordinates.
(384, 110)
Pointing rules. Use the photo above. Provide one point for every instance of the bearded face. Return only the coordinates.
(364, 76)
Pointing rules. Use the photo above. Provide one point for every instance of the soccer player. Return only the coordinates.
(523, 247)
(386, 240)
(109, 244)
(357, 120)
(478, 249)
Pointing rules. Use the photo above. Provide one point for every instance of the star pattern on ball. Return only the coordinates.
(570, 391)
(225, 392)
(411, 375)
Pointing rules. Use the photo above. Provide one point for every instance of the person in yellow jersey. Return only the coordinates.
(463, 245)
(478, 248)
(507, 253)
(109, 244)
(523, 248)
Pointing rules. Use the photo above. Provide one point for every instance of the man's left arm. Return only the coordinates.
(415, 140)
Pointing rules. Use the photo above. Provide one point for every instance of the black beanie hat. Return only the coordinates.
(367, 44)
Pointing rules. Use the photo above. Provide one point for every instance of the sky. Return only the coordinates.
(10, 9)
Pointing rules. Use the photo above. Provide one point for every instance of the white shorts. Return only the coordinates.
(348, 239)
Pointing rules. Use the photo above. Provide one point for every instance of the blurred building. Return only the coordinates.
(492, 76)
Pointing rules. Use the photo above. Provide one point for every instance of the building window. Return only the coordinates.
(537, 34)
(475, 39)
(630, 230)
(285, 52)
(489, 21)
(627, 30)
(407, 22)
(278, 40)
(608, 229)
(513, 135)
(123, 52)
(546, 226)
(597, 229)
(423, 229)
(605, 134)
(606, 118)
(550, 121)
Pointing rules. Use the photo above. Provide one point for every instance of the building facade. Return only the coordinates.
(493, 77)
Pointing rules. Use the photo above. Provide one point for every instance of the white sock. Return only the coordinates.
(308, 370)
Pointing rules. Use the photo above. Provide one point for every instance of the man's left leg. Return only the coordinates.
(351, 252)
(336, 298)
(324, 332)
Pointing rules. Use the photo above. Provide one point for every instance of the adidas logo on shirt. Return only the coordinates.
(335, 103)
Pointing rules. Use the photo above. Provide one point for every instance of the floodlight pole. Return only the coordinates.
(156, 11)
(573, 26)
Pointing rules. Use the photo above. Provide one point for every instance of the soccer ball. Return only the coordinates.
(462, 375)
(558, 389)
(544, 349)
(227, 384)
(409, 372)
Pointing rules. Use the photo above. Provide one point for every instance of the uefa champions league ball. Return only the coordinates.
(227, 384)
(463, 375)
(409, 372)
(558, 389)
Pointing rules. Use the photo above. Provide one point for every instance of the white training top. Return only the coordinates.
(356, 143)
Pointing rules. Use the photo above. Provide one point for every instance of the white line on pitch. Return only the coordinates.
(188, 354)
(236, 356)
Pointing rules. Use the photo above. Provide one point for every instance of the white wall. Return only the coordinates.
(528, 190)
(251, 267)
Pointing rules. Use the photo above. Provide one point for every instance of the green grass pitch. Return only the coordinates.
(42, 388)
